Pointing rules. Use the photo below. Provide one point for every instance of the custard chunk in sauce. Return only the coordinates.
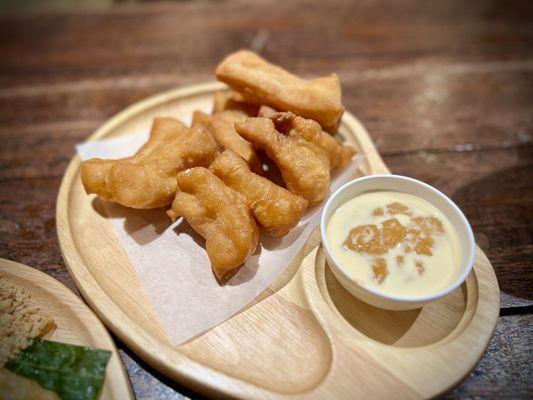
(394, 241)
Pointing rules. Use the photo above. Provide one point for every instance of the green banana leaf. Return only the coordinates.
(73, 372)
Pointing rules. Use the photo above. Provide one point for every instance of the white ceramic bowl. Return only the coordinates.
(405, 185)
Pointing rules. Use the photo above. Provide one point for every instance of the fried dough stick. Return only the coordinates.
(275, 209)
(222, 126)
(148, 179)
(287, 122)
(225, 100)
(219, 214)
(262, 83)
(304, 166)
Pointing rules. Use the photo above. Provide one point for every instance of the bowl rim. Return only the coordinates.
(469, 258)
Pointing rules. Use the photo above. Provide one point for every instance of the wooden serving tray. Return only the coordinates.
(76, 323)
(305, 336)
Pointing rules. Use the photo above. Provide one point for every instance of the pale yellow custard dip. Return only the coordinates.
(396, 243)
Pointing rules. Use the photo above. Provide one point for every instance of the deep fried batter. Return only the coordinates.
(287, 122)
(218, 213)
(222, 126)
(260, 82)
(276, 209)
(148, 179)
(304, 166)
(226, 100)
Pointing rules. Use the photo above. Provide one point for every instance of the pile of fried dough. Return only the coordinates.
(214, 173)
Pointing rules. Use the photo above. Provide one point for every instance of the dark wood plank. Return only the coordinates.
(505, 371)
(443, 87)
(28, 226)
(185, 37)
(444, 107)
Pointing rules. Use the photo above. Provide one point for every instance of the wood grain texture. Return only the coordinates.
(75, 322)
(443, 87)
(504, 372)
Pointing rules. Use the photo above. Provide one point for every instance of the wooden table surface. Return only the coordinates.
(445, 89)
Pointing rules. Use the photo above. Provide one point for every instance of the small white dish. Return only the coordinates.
(405, 185)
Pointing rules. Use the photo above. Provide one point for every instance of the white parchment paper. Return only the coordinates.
(173, 266)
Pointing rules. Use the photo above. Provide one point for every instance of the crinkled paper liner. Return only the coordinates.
(172, 264)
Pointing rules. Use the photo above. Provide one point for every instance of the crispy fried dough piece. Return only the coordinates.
(304, 166)
(260, 82)
(226, 100)
(332, 129)
(275, 209)
(148, 179)
(293, 125)
(222, 126)
(219, 214)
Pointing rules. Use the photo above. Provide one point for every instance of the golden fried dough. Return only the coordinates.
(148, 179)
(304, 166)
(219, 214)
(293, 125)
(225, 100)
(222, 126)
(275, 209)
(260, 82)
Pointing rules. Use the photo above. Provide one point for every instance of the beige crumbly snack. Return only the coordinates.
(262, 83)
(226, 100)
(148, 179)
(275, 209)
(304, 166)
(287, 122)
(15, 387)
(222, 126)
(219, 214)
(19, 321)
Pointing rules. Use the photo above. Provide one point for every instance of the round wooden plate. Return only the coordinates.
(76, 323)
(305, 336)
